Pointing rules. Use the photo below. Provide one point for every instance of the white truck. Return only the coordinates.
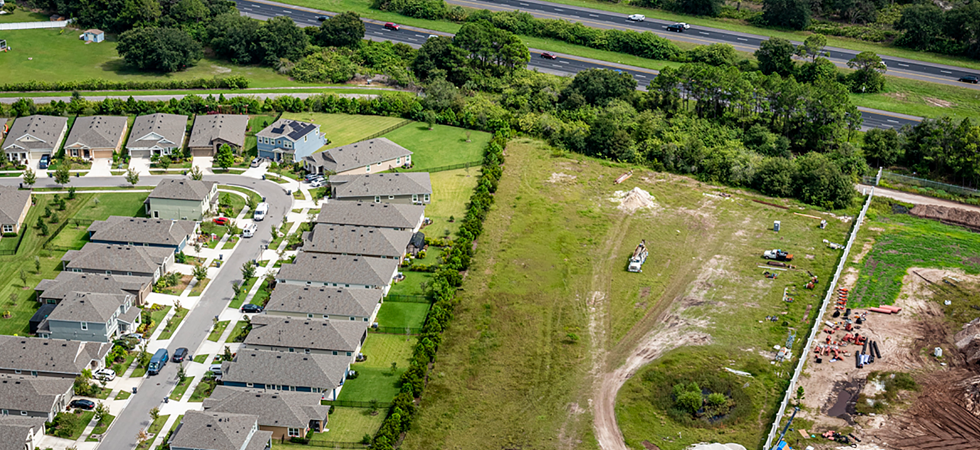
(261, 210)
(639, 257)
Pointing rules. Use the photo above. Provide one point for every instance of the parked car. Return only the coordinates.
(316, 183)
(105, 374)
(260, 211)
(181, 354)
(45, 160)
(311, 176)
(250, 308)
(249, 230)
(637, 17)
(256, 162)
(82, 404)
(322, 18)
(548, 55)
(677, 28)
(221, 221)
(970, 79)
(392, 26)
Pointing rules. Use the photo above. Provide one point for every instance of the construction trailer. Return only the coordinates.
(638, 258)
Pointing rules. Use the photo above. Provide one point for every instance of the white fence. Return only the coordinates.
(31, 25)
(816, 327)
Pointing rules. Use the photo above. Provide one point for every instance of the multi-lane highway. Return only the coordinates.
(564, 65)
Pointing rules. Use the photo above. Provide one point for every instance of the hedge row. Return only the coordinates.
(230, 82)
(444, 284)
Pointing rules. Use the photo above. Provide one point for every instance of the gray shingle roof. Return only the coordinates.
(354, 240)
(49, 355)
(325, 268)
(227, 127)
(28, 393)
(12, 202)
(96, 131)
(293, 130)
(141, 231)
(286, 369)
(302, 300)
(87, 307)
(358, 154)
(382, 215)
(46, 131)
(274, 408)
(302, 333)
(117, 258)
(381, 184)
(14, 430)
(163, 130)
(193, 190)
(216, 431)
(68, 283)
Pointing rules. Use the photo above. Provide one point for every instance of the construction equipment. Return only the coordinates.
(639, 257)
(779, 442)
(777, 254)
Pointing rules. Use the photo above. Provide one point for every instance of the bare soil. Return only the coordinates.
(918, 199)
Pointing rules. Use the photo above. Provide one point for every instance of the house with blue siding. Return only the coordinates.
(282, 371)
(91, 317)
(173, 234)
(289, 140)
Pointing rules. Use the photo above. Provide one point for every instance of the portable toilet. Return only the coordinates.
(775, 226)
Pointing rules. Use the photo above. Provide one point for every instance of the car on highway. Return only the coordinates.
(392, 26)
(432, 36)
(637, 17)
(105, 374)
(322, 18)
(970, 79)
(181, 354)
(548, 55)
(221, 221)
(677, 27)
(250, 308)
(82, 404)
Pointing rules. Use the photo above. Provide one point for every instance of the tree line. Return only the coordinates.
(941, 149)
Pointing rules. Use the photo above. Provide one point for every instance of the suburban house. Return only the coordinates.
(93, 35)
(96, 137)
(310, 336)
(35, 397)
(21, 433)
(39, 357)
(14, 204)
(68, 284)
(214, 130)
(371, 156)
(172, 234)
(324, 303)
(115, 259)
(182, 199)
(206, 430)
(91, 317)
(411, 188)
(377, 215)
(289, 140)
(157, 134)
(260, 369)
(289, 414)
(384, 243)
(352, 272)
(34, 136)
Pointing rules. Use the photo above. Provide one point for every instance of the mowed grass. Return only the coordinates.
(411, 285)
(441, 146)
(350, 425)
(401, 315)
(451, 191)
(23, 15)
(923, 99)
(552, 251)
(376, 380)
(53, 50)
(343, 129)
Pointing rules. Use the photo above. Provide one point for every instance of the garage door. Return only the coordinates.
(139, 153)
(102, 153)
(198, 151)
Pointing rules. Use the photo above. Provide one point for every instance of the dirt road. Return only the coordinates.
(917, 199)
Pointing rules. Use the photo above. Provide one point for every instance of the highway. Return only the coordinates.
(564, 65)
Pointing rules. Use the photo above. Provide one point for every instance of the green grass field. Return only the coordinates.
(101, 427)
(350, 425)
(23, 15)
(181, 388)
(400, 315)
(343, 129)
(441, 146)
(375, 379)
(922, 99)
(157, 317)
(451, 190)
(411, 285)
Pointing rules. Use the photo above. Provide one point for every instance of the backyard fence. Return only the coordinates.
(356, 404)
(920, 182)
(74, 222)
(327, 444)
(465, 165)
(396, 330)
(388, 130)
(402, 298)
(32, 25)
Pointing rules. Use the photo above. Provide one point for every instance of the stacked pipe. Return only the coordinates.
(874, 345)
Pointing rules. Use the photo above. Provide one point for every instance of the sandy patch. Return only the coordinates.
(633, 200)
(561, 178)
(937, 102)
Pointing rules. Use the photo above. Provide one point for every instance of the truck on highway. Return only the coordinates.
(638, 258)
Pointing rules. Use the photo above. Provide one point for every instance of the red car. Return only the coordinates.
(547, 55)
(222, 221)
(392, 26)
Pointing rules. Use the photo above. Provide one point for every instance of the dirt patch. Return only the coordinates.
(633, 200)
(938, 419)
(932, 101)
(561, 178)
(955, 216)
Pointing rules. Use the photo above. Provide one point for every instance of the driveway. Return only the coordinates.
(100, 168)
(204, 163)
(140, 165)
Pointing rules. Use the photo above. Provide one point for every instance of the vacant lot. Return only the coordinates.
(441, 146)
(548, 311)
(451, 190)
(343, 129)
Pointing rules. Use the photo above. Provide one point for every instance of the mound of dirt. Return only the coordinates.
(633, 200)
(968, 341)
(946, 214)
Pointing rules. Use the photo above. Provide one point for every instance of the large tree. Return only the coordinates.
(235, 37)
(342, 30)
(599, 86)
(776, 56)
(813, 47)
(793, 14)
(281, 38)
(159, 49)
(820, 182)
(868, 76)
(439, 58)
(922, 24)
(883, 148)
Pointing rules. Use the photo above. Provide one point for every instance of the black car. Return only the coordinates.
(250, 308)
(971, 79)
(322, 18)
(82, 404)
(180, 354)
(677, 28)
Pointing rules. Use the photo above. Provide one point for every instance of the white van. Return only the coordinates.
(249, 230)
(261, 210)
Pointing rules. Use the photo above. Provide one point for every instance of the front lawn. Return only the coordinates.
(201, 359)
(230, 204)
(215, 232)
(343, 129)
(173, 323)
(250, 193)
(443, 145)
(402, 315)
(261, 296)
(100, 427)
(155, 318)
(70, 425)
(123, 395)
(199, 287)
(153, 430)
(203, 390)
(238, 332)
(181, 387)
(240, 298)
(121, 367)
(218, 329)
